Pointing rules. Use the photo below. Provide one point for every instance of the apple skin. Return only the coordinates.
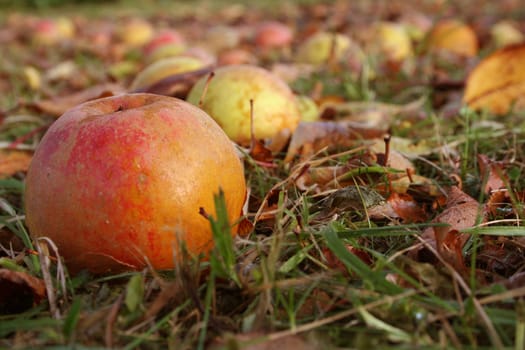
(52, 31)
(164, 68)
(273, 34)
(317, 48)
(135, 32)
(228, 97)
(163, 38)
(117, 182)
(393, 41)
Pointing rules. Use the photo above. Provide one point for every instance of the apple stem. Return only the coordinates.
(205, 90)
(387, 148)
(252, 132)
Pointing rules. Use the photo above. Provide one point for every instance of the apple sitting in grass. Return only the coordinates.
(272, 34)
(323, 46)
(117, 183)
(52, 31)
(164, 68)
(163, 38)
(135, 32)
(227, 100)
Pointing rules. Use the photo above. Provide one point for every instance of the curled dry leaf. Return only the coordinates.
(496, 177)
(461, 212)
(57, 106)
(19, 291)
(498, 82)
(407, 208)
(12, 162)
(495, 184)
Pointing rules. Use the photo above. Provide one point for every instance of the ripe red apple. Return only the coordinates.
(163, 38)
(49, 31)
(273, 34)
(119, 181)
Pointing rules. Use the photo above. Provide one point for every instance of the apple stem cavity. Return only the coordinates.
(205, 90)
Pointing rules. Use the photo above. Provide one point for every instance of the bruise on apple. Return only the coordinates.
(120, 180)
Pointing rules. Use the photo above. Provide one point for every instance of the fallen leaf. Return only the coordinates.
(498, 82)
(496, 178)
(311, 137)
(259, 341)
(57, 106)
(349, 200)
(461, 212)
(424, 185)
(453, 36)
(335, 263)
(407, 208)
(19, 291)
(260, 153)
(12, 162)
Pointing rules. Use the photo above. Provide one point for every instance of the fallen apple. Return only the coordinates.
(273, 34)
(318, 48)
(163, 38)
(52, 31)
(135, 32)
(164, 68)
(393, 41)
(227, 100)
(117, 183)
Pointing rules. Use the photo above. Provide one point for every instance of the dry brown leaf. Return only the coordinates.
(404, 183)
(461, 212)
(12, 162)
(407, 208)
(260, 153)
(59, 105)
(311, 137)
(19, 291)
(259, 341)
(498, 82)
(496, 177)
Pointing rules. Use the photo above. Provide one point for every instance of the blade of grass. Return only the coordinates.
(355, 265)
(508, 231)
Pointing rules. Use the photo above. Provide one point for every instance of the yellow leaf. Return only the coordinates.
(12, 162)
(498, 82)
(453, 36)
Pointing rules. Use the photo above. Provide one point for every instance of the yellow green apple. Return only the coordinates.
(227, 100)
